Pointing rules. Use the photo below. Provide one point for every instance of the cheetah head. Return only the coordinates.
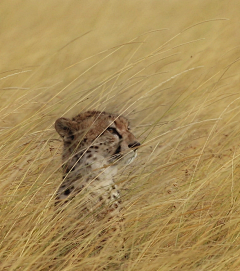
(103, 133)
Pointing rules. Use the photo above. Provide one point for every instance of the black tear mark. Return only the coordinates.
(118, 150)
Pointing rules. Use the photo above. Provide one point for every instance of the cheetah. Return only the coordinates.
(94, 145)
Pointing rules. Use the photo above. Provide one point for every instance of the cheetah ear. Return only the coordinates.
(66, 128)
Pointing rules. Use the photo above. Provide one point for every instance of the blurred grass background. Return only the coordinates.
(171, 67)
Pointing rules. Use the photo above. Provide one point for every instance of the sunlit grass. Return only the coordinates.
(181, 194)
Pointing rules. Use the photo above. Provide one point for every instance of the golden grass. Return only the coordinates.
(171, 67)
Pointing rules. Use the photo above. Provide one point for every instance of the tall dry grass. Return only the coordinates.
(171, 67)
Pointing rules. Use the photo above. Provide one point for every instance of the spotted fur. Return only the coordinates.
(94, 145)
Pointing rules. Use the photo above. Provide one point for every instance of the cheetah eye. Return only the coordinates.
(112, 130)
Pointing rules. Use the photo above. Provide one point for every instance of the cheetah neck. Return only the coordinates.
(90, 172)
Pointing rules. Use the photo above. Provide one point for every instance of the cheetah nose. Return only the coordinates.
(135, 145)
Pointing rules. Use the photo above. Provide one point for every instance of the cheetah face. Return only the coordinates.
(103, 133)
(121, 144)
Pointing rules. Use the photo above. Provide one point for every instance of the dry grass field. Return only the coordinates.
(173, 68)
